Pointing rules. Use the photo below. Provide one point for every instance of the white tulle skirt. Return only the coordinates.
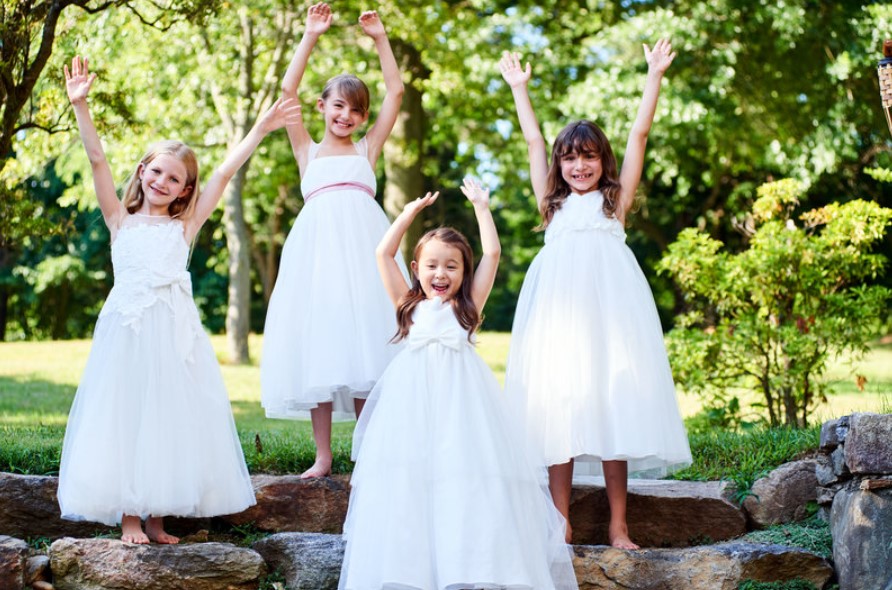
(443, 496)
(329, 319)
(587, 362)
(150, 432)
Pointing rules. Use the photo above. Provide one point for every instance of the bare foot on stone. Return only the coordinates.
(131, 530)
(320, 468)
(619, 538)
(155, 532)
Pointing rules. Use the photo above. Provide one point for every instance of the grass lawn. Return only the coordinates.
(38, 381)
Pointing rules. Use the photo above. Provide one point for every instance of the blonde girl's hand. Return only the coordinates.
(284, 112)
(318, 19)
(475, 192)
(659, 58)
(371, 24)
(78, 80)
(413, 207)
(512, 71)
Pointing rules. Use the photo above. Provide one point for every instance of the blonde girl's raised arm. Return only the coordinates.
(318, 21)
(633, 162)
(394, 282)
(283, 112)
(485, 273)
(393, 83)
(518, 78)
(78, 81)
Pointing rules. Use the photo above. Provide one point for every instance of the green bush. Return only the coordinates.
(771, 317)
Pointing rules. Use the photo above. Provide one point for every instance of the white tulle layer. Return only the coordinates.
(443, 494)
(587, 362)
(329, 319)
(151, 432)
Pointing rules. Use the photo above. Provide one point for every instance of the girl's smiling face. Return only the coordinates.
(163, 180)
(581, 171)
(341, 117)
(439, 269)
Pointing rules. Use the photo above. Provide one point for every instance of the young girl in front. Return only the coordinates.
(587, 361)
(329, 321)
(150, 431)
(443, 495)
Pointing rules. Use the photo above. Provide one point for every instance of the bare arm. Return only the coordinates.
(517, 78)
(633, 161)
(393, 84)
(318, 21)
(77, 83)
(282, 113)
(485, 273)
(394, 282)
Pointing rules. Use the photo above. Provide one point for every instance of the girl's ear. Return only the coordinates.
(414, 266)
(320, 105)
(139, 170)
(186, 192)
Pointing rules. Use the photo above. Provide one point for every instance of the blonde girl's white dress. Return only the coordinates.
(587, 363)
(329, 320)
(150, 432)
(443, 495)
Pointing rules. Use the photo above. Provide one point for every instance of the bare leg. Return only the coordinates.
(616, 477)
(560, 482)
(131, 530)
(321, 417)
(155, 531)
(358, 405)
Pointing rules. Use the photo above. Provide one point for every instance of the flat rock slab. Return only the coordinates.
(660, 513)
(712, 567)
(313, 561)
(287, 503)
(100, 564)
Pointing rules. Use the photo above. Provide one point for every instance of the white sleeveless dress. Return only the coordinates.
(329, 320)
(150, 432)
(587, 362)
(444, 496)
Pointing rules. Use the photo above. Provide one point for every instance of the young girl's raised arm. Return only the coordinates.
(485, 273)
(394, 282)
(633, 161)
(393, 84)
(284, 112)
(318, 21)
(517, 78)
(77, 83)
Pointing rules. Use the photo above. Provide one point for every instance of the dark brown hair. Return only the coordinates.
(581, 137)
(351, 89)
(462, 304)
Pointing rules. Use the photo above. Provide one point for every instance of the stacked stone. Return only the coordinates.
(854, 473)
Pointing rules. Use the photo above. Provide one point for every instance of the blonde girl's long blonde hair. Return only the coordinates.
(184, 205)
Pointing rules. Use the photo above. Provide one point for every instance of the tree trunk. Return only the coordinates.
(238, 311)
(4, 311)
(403, 151)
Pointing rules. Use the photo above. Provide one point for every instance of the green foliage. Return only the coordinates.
(812, 535)
(796, 584)
(744, 457)
(770, 317)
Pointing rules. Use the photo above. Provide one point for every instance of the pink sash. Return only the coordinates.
(340, 186)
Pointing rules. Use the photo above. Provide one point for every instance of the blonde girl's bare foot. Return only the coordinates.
(619, 538)
(320, 468)
(155, 532)
(131, 530)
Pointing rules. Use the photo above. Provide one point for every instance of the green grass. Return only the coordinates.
(38, 381)
(812, 535)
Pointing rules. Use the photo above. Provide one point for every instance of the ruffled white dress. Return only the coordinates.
(329, 320)
(443, 495)
(587, 363)
(150, 431)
